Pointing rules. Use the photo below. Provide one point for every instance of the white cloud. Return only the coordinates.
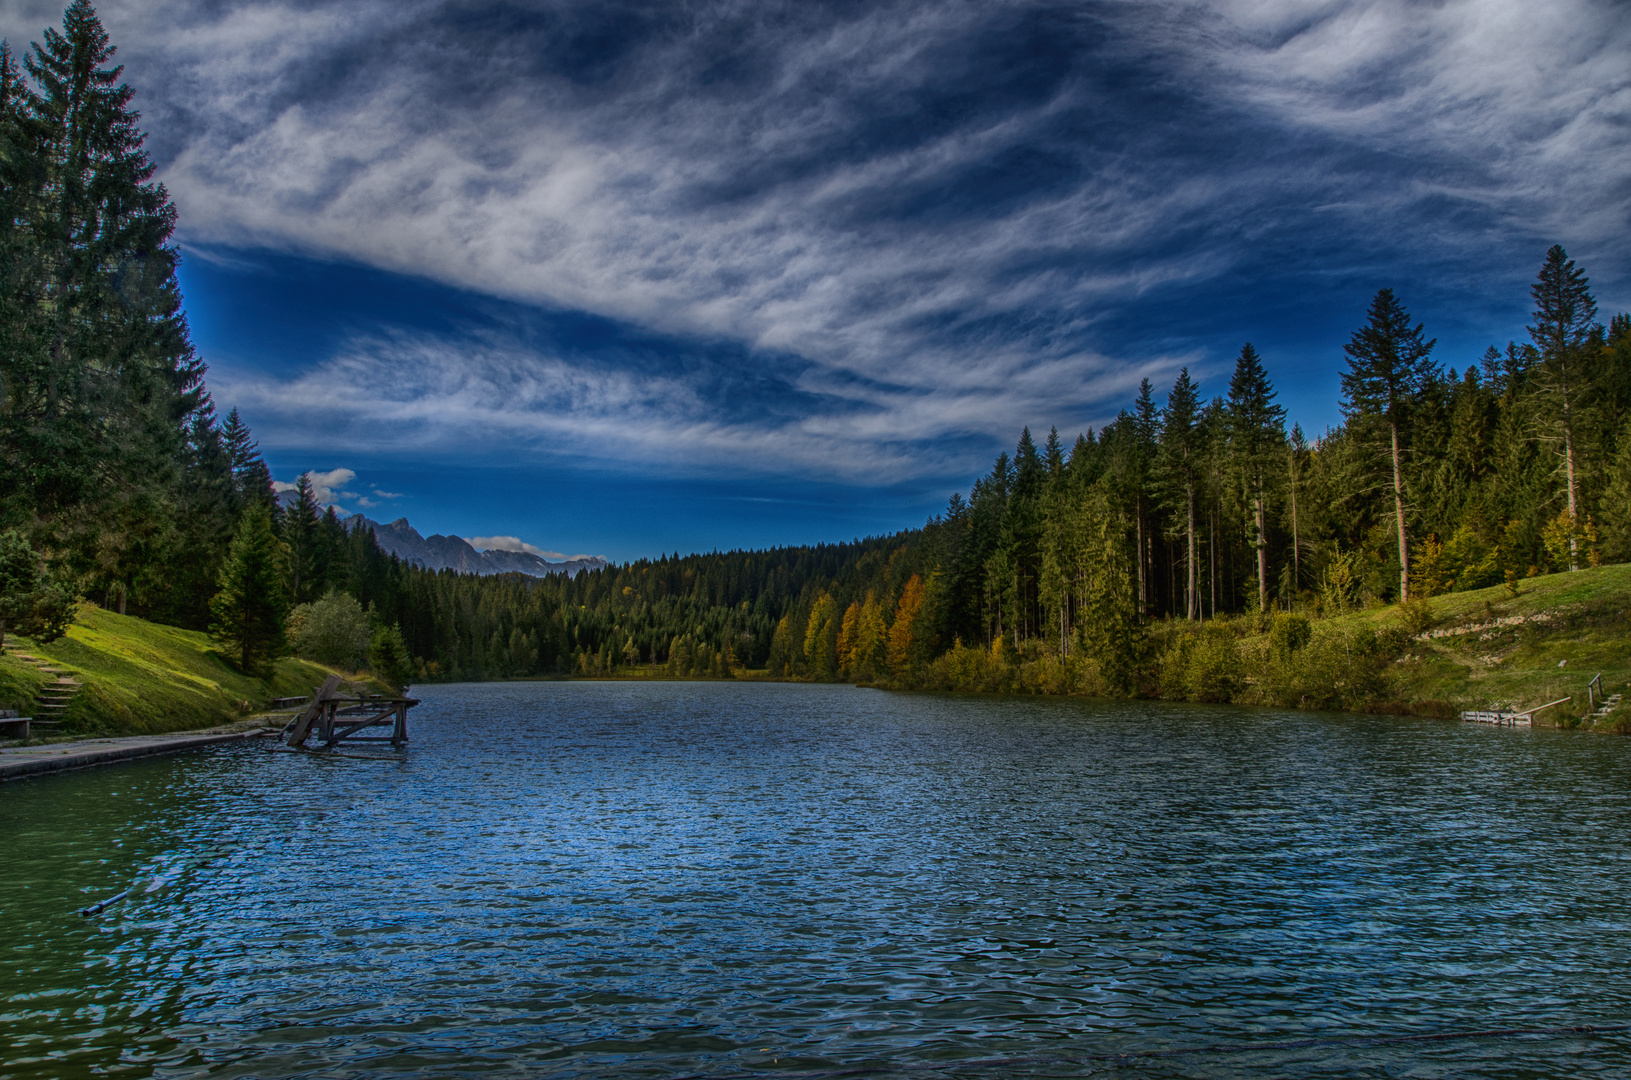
(512, 543)
(327, 487)
(773, 216)
(457, 396)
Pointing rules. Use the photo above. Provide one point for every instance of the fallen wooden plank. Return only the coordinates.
(303, 722)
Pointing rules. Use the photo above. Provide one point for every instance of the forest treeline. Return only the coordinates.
(1074, 564)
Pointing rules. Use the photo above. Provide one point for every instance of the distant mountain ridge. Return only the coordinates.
(440, 552)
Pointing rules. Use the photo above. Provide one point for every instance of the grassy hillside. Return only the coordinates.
(140, 677)
(1489, 648)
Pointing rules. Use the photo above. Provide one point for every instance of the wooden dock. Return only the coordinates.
(1506, 718)
(336, 718)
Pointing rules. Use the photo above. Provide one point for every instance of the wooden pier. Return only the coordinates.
(336, 718)
(1509, 719)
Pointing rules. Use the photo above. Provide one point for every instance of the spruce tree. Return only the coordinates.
(249, 471)
(248, 613)
(301, 526)
(1256, 428)
(1178, 460)
(107, 376)
(388, 655)
(1389, 361)
(1565, 320)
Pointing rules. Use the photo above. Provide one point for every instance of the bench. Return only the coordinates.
(13, 726)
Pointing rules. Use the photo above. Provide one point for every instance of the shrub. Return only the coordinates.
(1416, 614)
(332, 631)
(1212, 671)
(1288, 634)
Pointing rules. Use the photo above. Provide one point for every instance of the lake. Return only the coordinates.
(701, 879)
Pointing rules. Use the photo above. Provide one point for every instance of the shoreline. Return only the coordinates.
(44, 759)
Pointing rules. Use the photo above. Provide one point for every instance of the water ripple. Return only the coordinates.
(598, 879)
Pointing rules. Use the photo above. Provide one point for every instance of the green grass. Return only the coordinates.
(1586, 625)
(140, 678)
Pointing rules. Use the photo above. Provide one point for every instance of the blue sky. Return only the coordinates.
(628, 279)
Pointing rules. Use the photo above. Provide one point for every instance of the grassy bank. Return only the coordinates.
(1491, 648)
(139, 677)
(1482, 649)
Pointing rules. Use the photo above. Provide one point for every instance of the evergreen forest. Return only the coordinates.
(1082, 561)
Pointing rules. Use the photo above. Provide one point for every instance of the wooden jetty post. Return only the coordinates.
(337, 717)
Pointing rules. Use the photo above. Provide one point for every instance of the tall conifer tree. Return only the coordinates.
(1389, 361)
(1179, 460)
(1565, 320)
(1256, 433)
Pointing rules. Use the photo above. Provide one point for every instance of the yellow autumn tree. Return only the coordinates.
(904, 633)
(848, 632)
(820, 638)
(871, 636)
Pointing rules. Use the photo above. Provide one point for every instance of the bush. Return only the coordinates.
(332, 631)
(1201, 665)
(1416, 614)
(1213, 668)
(1288, 634)
(1340, 668)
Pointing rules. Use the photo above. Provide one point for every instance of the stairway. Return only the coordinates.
(54, 697)
(1607, 706)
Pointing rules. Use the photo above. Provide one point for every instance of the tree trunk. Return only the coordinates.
(1212, 546)
(1262, 552)
(1296, 555)
(1568, 466)
(1192, 608)
(1398, 508)
(1139, 514)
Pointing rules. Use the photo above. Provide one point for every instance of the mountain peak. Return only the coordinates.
(439, 552)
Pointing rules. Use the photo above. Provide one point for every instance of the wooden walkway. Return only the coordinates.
(24, 761)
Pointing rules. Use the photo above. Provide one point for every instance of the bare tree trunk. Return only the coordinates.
(1398, 507)
(1192, 600)
(1568, 465)
(1142, 591)
(1262, 552)
(1212, 546)
(1296, 554)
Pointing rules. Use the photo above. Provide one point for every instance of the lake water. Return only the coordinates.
(722, 880)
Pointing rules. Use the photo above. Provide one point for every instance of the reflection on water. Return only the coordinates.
(601, 879)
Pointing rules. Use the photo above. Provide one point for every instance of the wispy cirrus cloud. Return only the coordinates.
(928, 224)
(440, 394)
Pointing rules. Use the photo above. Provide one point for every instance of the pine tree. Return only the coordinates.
(388, 655)
(1178, 460)
(1388, 364)
(108, 376)
(1565, 320)
(1108, 628)
(1256, 434)
(249, 471)
(301, 532)
(1145, 424)
(248, 612)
